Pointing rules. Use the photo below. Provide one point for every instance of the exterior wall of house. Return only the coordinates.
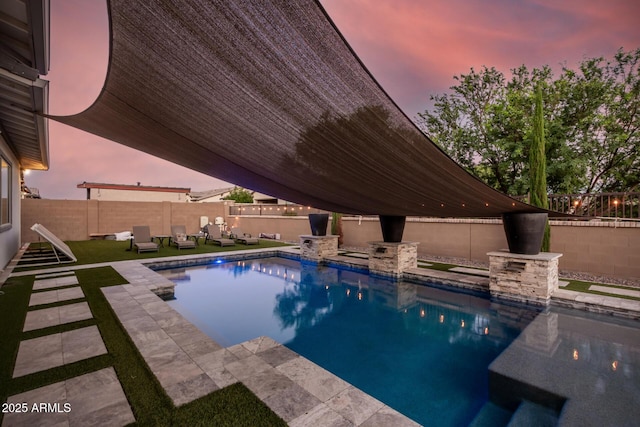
(602, 248)
(10, 231)
(108, 194)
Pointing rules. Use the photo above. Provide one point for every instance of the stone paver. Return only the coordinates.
(43, 318)
(615, 291)
(38, 354)
(50, 351)
(56, 274)
(93, 399)
(321, 415)
(355, 405)
(55, 282)
(358, 255)
(57, 295)
(469, 270)
(83, 343)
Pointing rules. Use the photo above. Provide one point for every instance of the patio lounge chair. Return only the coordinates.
(213, 234)
(241, 237)
(179, 236)
(142, 239)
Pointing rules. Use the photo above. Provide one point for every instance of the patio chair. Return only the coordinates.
(142, 239)
(241, 237)
(213, 234)
(179, 236)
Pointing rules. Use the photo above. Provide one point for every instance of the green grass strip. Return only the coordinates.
(232, 406)
(438, 266)
(581, 286)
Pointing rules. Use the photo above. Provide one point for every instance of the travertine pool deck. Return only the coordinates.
(189, 364)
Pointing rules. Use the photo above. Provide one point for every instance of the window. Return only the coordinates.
(5, 194)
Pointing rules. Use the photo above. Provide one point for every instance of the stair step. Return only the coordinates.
(492, 415)
(530, 414)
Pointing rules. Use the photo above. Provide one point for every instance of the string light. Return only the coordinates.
(575, 354)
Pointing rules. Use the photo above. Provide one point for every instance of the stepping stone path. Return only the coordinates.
(615, 291)
(95, 398)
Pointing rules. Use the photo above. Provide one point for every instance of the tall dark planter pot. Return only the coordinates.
(318, 223)
(524, 232)
(392, 228)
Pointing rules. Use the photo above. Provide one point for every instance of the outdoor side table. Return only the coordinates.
(161, 238)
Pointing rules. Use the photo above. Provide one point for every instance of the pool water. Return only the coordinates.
(422, 350)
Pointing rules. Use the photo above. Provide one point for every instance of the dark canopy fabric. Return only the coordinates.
(267, 94)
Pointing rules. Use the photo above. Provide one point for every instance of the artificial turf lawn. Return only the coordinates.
(100, 251)
(580, 286)
(231, 406)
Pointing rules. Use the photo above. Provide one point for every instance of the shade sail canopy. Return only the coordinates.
(268, 95)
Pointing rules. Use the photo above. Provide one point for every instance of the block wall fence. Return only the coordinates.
(601, 248)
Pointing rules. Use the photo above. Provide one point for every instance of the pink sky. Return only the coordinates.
(412, 47)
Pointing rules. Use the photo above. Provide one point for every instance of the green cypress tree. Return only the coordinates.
(537, 166)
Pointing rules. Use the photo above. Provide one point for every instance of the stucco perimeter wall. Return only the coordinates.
(601, 248)
(78, 219)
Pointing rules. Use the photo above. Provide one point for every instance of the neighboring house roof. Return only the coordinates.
(24, 55)
(269, 95)
(196, 196)
(136, 187)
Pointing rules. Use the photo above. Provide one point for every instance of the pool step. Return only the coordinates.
(492, 415)
(530, 414)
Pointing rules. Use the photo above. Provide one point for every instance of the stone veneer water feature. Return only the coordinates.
(390, 258)
(524, 278)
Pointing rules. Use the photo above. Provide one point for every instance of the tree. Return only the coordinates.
(537, 166)
(336, 227)
(239, 195)
(592, 118)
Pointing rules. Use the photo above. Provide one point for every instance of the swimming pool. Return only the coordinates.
(421, 350)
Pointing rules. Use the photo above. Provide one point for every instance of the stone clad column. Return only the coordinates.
(524, 278)
(316, 248)
(392, 258)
